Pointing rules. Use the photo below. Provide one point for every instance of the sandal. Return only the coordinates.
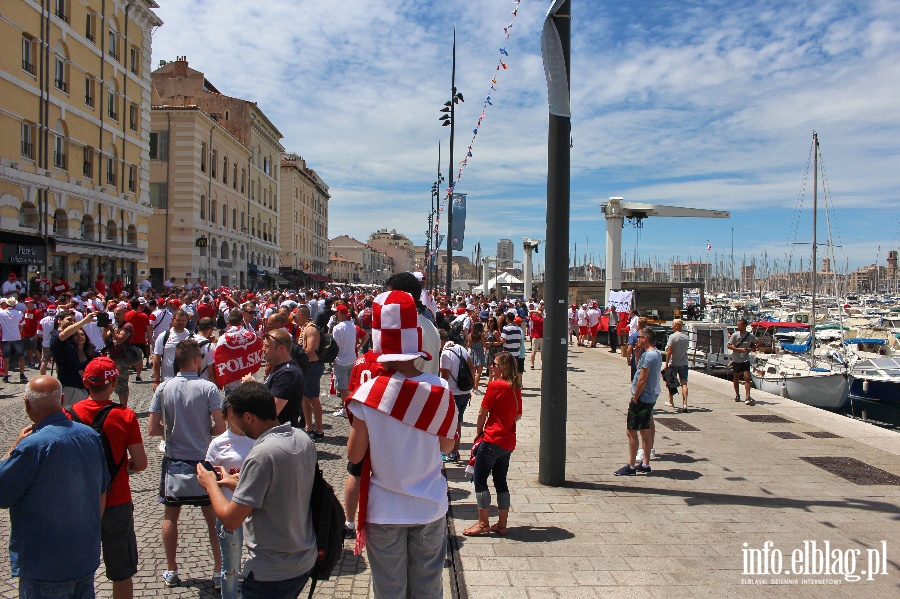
(501, 531)
(477, 530)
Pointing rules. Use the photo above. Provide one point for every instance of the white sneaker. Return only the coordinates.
(652, 454)
(640, 456)
(342, 413)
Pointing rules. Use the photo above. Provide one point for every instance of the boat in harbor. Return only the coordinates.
(876, 380)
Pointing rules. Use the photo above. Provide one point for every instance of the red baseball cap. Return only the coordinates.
(28, 299)
(12, 275)
(175, 302)
(342, 309)
(100, 371)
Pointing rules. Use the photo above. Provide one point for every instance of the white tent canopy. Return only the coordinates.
(503, 278)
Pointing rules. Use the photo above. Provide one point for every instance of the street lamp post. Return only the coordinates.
(448, 118)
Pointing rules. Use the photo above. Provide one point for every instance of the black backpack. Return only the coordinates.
(328, 347)
(328, 522)
(464, 380)
(456, 332)
(97, 424)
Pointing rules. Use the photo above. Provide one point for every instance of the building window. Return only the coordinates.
(243, 179)
(112, 231)
(59, 75)
(87, 227)
(131, 235)
(111, 170)
(61, 223)
(111, 108)
(212, 163)
(28, 54)
(234, 218)
(132, 117)
(28, 216)
(159, 146)
(132, 178)
(225, 170)
(159, 195)
(88, 166)
(59, 152)
(113, 41)
(203, 157)
(212, 211)
(224, 215)
(134, 60)
(89, 91)
(89, 27)
(234, 179)
(202, 208)
(61, 12)
(27, 141)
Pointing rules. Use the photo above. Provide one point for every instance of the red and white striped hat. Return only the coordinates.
(396, 334)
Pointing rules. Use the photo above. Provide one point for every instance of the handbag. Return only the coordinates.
(179, 483)
(133, 354)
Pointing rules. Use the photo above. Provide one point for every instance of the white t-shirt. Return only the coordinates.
(593, 317)
(431, 343)
(208, 350)
(345, 335)
(93, 332)
(9, 324)
(10, 287)
(228, 450)
(161, 321)
(406, 485)
(582, 318)
(167, 368)
(145, 285)
(450, 361)
(45, 329)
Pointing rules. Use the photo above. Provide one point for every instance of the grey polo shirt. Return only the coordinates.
(276, 481)
(679, 343)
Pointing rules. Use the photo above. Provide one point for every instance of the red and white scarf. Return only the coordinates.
(426, 407)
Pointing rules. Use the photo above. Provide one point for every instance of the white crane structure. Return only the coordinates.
(616, 211)
(529, 245)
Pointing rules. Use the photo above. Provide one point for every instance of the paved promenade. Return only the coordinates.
(678, 532)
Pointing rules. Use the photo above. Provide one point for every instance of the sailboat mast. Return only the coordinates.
(815, 278)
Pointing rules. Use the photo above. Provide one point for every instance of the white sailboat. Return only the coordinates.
(819, 381)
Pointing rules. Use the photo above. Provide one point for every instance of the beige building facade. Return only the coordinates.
(304, 217)
(214, 178)
(345, 271)
(376, 265)
(74, 131)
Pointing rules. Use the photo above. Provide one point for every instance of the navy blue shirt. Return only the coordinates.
(51, 485)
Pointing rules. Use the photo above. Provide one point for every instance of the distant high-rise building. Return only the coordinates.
(505, 256)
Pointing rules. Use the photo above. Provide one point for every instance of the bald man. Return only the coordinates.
(54, 469)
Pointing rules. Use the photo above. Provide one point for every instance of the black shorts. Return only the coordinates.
(354, 469)
(462, 402)
(520, 362)
(120, 552)
(739, 367)
(12, 349)
(640, 415)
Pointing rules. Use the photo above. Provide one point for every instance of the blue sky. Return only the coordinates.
(705, 104)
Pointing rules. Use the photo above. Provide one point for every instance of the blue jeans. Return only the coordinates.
(231, 544)
(76, 589)
(492, 460)
(273, 589)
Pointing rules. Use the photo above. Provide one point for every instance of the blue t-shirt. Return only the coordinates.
(652, 360)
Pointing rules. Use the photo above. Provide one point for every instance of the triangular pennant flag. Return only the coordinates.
(488, 101)
(469, 154)
(504, 52)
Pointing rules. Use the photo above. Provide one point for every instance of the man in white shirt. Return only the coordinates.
(164, 348)
(12, 346)
(452, 356)
(160, 320)
(344, 333)
(169, 285)
(45, 330)
(583, 329)
(12, 285)
(593, 315)
(145, 285)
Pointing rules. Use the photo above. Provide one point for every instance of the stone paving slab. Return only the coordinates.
(679, 532)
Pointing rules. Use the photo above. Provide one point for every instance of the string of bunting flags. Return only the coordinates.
(501, 66)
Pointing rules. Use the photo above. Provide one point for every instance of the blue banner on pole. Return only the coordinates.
(459, 220)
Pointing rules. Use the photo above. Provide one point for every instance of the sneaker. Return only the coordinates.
(640, 456)
(217, 580)
(641, 469)
(316, 436)
(171, 578)
(750, 401)
(349, 532)
(342, 413)
(652, 454)
(444, 457)
(625, 470)
(453, 456)
(138, 379)
(737, 398)
(5, 379)
(22, 378)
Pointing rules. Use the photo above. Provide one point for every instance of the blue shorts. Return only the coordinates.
(682, 372)
(312, 379)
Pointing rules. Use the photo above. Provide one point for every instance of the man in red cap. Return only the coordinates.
(122, 433)
(116, 287)
(12, 285)
(32, 317)
(100, 285)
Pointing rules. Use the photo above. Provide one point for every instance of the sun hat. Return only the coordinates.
(396, 334)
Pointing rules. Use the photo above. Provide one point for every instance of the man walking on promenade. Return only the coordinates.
(612, 329)
(54, 480)
(123, 433)
(271, 497)
(645, 389)
(741, 343)
(187, 412)
(677, 358)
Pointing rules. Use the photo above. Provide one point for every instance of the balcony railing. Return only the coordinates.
(61, 13)
(61, 85)
(28, 66)
(27, 149)
(59, 160)
(87, 169)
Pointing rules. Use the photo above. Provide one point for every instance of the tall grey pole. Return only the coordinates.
(552, 455)
(451, 184)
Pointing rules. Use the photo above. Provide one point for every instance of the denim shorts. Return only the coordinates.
(312, 379)
(682, 372)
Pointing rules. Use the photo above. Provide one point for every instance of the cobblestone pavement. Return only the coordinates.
(351, 577)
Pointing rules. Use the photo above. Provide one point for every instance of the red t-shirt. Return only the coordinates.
(206, 311)
(139, 321)
(116, 288)
(60, 287)
(100, 286)
(30, 322)
(503, 403)
(122, 429)
(537, 328)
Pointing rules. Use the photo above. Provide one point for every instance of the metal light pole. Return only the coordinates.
(448, 118)
(554, 401)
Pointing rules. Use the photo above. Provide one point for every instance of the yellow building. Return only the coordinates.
(214, 176)
(304, 218)
(75, 92)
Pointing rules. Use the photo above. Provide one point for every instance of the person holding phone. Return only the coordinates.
(120, 336)
(72, 351)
